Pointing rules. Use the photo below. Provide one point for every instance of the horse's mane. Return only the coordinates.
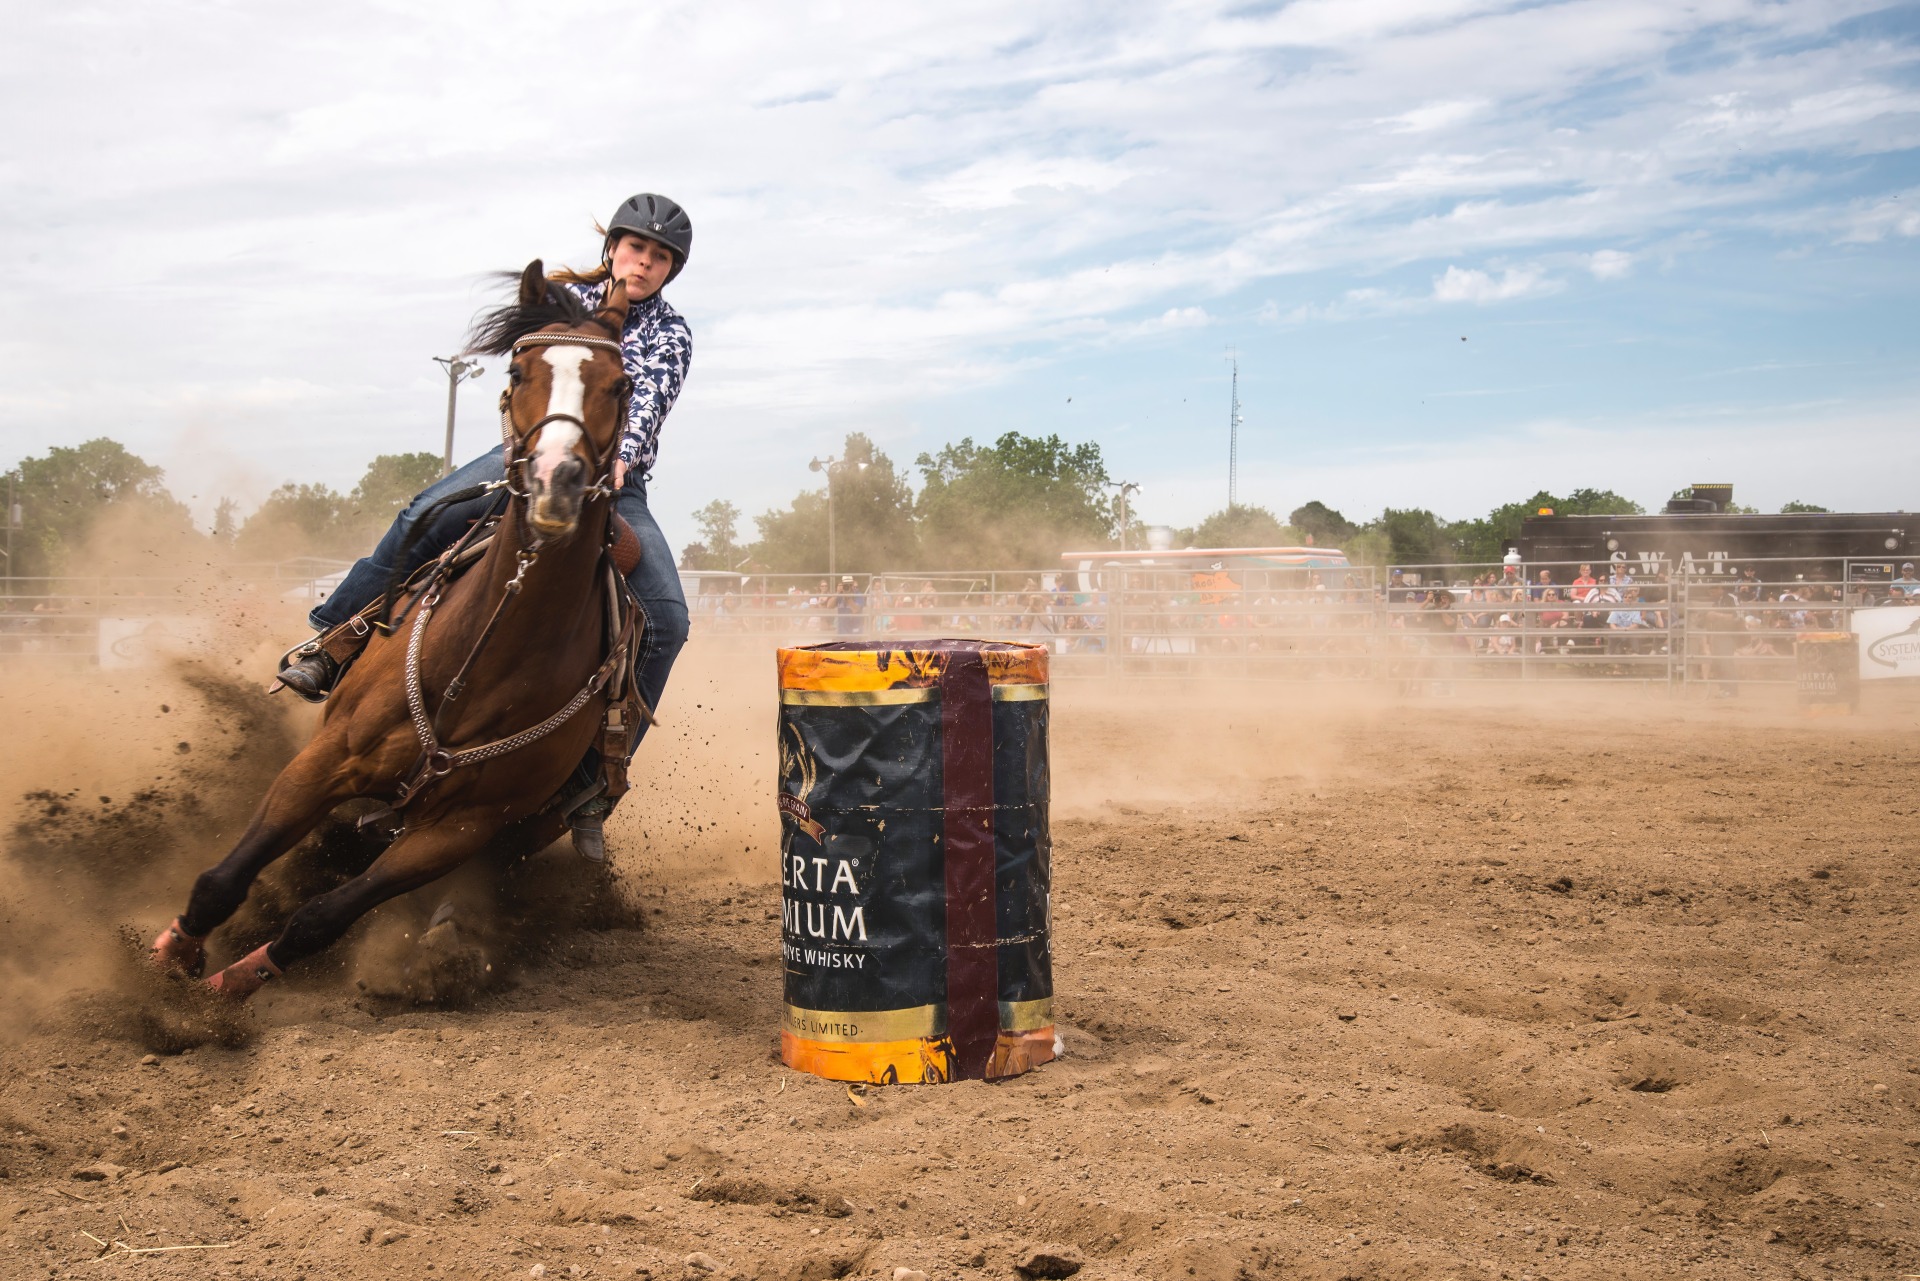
(494, 332)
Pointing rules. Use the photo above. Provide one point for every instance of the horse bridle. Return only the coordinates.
(515, 440)
(436, 761)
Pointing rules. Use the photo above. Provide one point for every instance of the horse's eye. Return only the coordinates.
(513, 375)
(623, 389)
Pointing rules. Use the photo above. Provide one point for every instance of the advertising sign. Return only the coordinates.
(1889, 641)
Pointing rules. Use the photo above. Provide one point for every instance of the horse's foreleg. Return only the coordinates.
(292, 807)
(417, 858)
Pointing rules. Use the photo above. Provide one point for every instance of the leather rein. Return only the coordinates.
(436, 760)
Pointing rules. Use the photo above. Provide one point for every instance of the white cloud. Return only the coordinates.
(1172, 318)
(997, 182)
(1435, 115)
(1458, 284)
(894, 204)
(1875, 220)
(1610, 264)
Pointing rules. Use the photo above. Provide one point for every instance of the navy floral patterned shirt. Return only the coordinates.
(657, 349)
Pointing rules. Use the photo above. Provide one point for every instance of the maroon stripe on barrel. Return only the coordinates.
(973, 959)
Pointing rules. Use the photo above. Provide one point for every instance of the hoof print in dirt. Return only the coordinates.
(1050, 1261)
(1514, 1172)
(103, 1172)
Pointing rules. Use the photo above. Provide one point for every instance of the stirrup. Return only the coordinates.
(313, 676)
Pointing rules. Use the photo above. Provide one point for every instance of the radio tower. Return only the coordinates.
(1233, 439)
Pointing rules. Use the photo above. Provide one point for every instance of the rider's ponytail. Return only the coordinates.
(568, 276)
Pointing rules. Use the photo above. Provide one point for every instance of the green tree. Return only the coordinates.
(299, 520)
(226, 522)
(1239, 525)
(316, 520)
(63, 495)
(1797, 506)
(1414, 536)
(390, 482)
(1485, 540)
(1597, 502)
(1727, 509)
(718, 547)
(873, 524)
(1327, 527)
(1014, 504)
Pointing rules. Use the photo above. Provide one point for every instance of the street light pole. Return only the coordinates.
(1125, 487)
(13, 523)
(457, 371)
(830, 466)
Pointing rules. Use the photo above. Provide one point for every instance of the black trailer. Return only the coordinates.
(1695, 537)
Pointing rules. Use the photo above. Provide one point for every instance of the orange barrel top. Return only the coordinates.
(915, 860)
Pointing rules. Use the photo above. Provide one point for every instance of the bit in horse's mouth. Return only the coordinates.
(544, 520)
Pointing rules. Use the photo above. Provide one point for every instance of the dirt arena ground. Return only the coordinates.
(1552, 985)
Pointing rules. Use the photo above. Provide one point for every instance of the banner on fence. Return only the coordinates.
(1889, 641)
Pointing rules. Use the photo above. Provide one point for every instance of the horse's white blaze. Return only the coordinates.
(568, 396)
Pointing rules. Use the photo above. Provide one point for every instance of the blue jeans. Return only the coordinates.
(655, 582)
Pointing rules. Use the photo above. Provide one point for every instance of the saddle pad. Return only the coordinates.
(626, 546)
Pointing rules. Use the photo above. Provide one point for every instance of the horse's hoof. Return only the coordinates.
(245, 976)
(179, 951)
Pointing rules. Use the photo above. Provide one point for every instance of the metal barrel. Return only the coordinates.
(915, 860)
(1827, 672)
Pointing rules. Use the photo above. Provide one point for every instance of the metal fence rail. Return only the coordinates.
(1413, 624)
(96, 619)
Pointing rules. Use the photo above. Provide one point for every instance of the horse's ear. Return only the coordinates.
(616, 305)
(533, 284)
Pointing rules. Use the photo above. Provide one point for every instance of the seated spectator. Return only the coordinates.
(1565, 623)
(1758, 644)
(1629, 616)
(1624, 621)
(1583, 585)
(1542, 584)
(1906, 588)
(1476, 617)
(1506, 637)
(1553, 609)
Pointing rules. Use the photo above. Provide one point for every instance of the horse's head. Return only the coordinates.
(566, 396)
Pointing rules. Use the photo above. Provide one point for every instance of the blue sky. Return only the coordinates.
(1678, 240)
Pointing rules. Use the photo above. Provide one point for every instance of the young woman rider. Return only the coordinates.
(647, 243)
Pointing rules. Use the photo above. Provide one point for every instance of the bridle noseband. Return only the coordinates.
(516, 439)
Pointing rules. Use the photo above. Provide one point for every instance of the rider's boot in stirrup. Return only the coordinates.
(589, 823)
(313, 676)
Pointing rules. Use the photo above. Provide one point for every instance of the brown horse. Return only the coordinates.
(513, 644)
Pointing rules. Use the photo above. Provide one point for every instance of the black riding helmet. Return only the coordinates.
(659, 220)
